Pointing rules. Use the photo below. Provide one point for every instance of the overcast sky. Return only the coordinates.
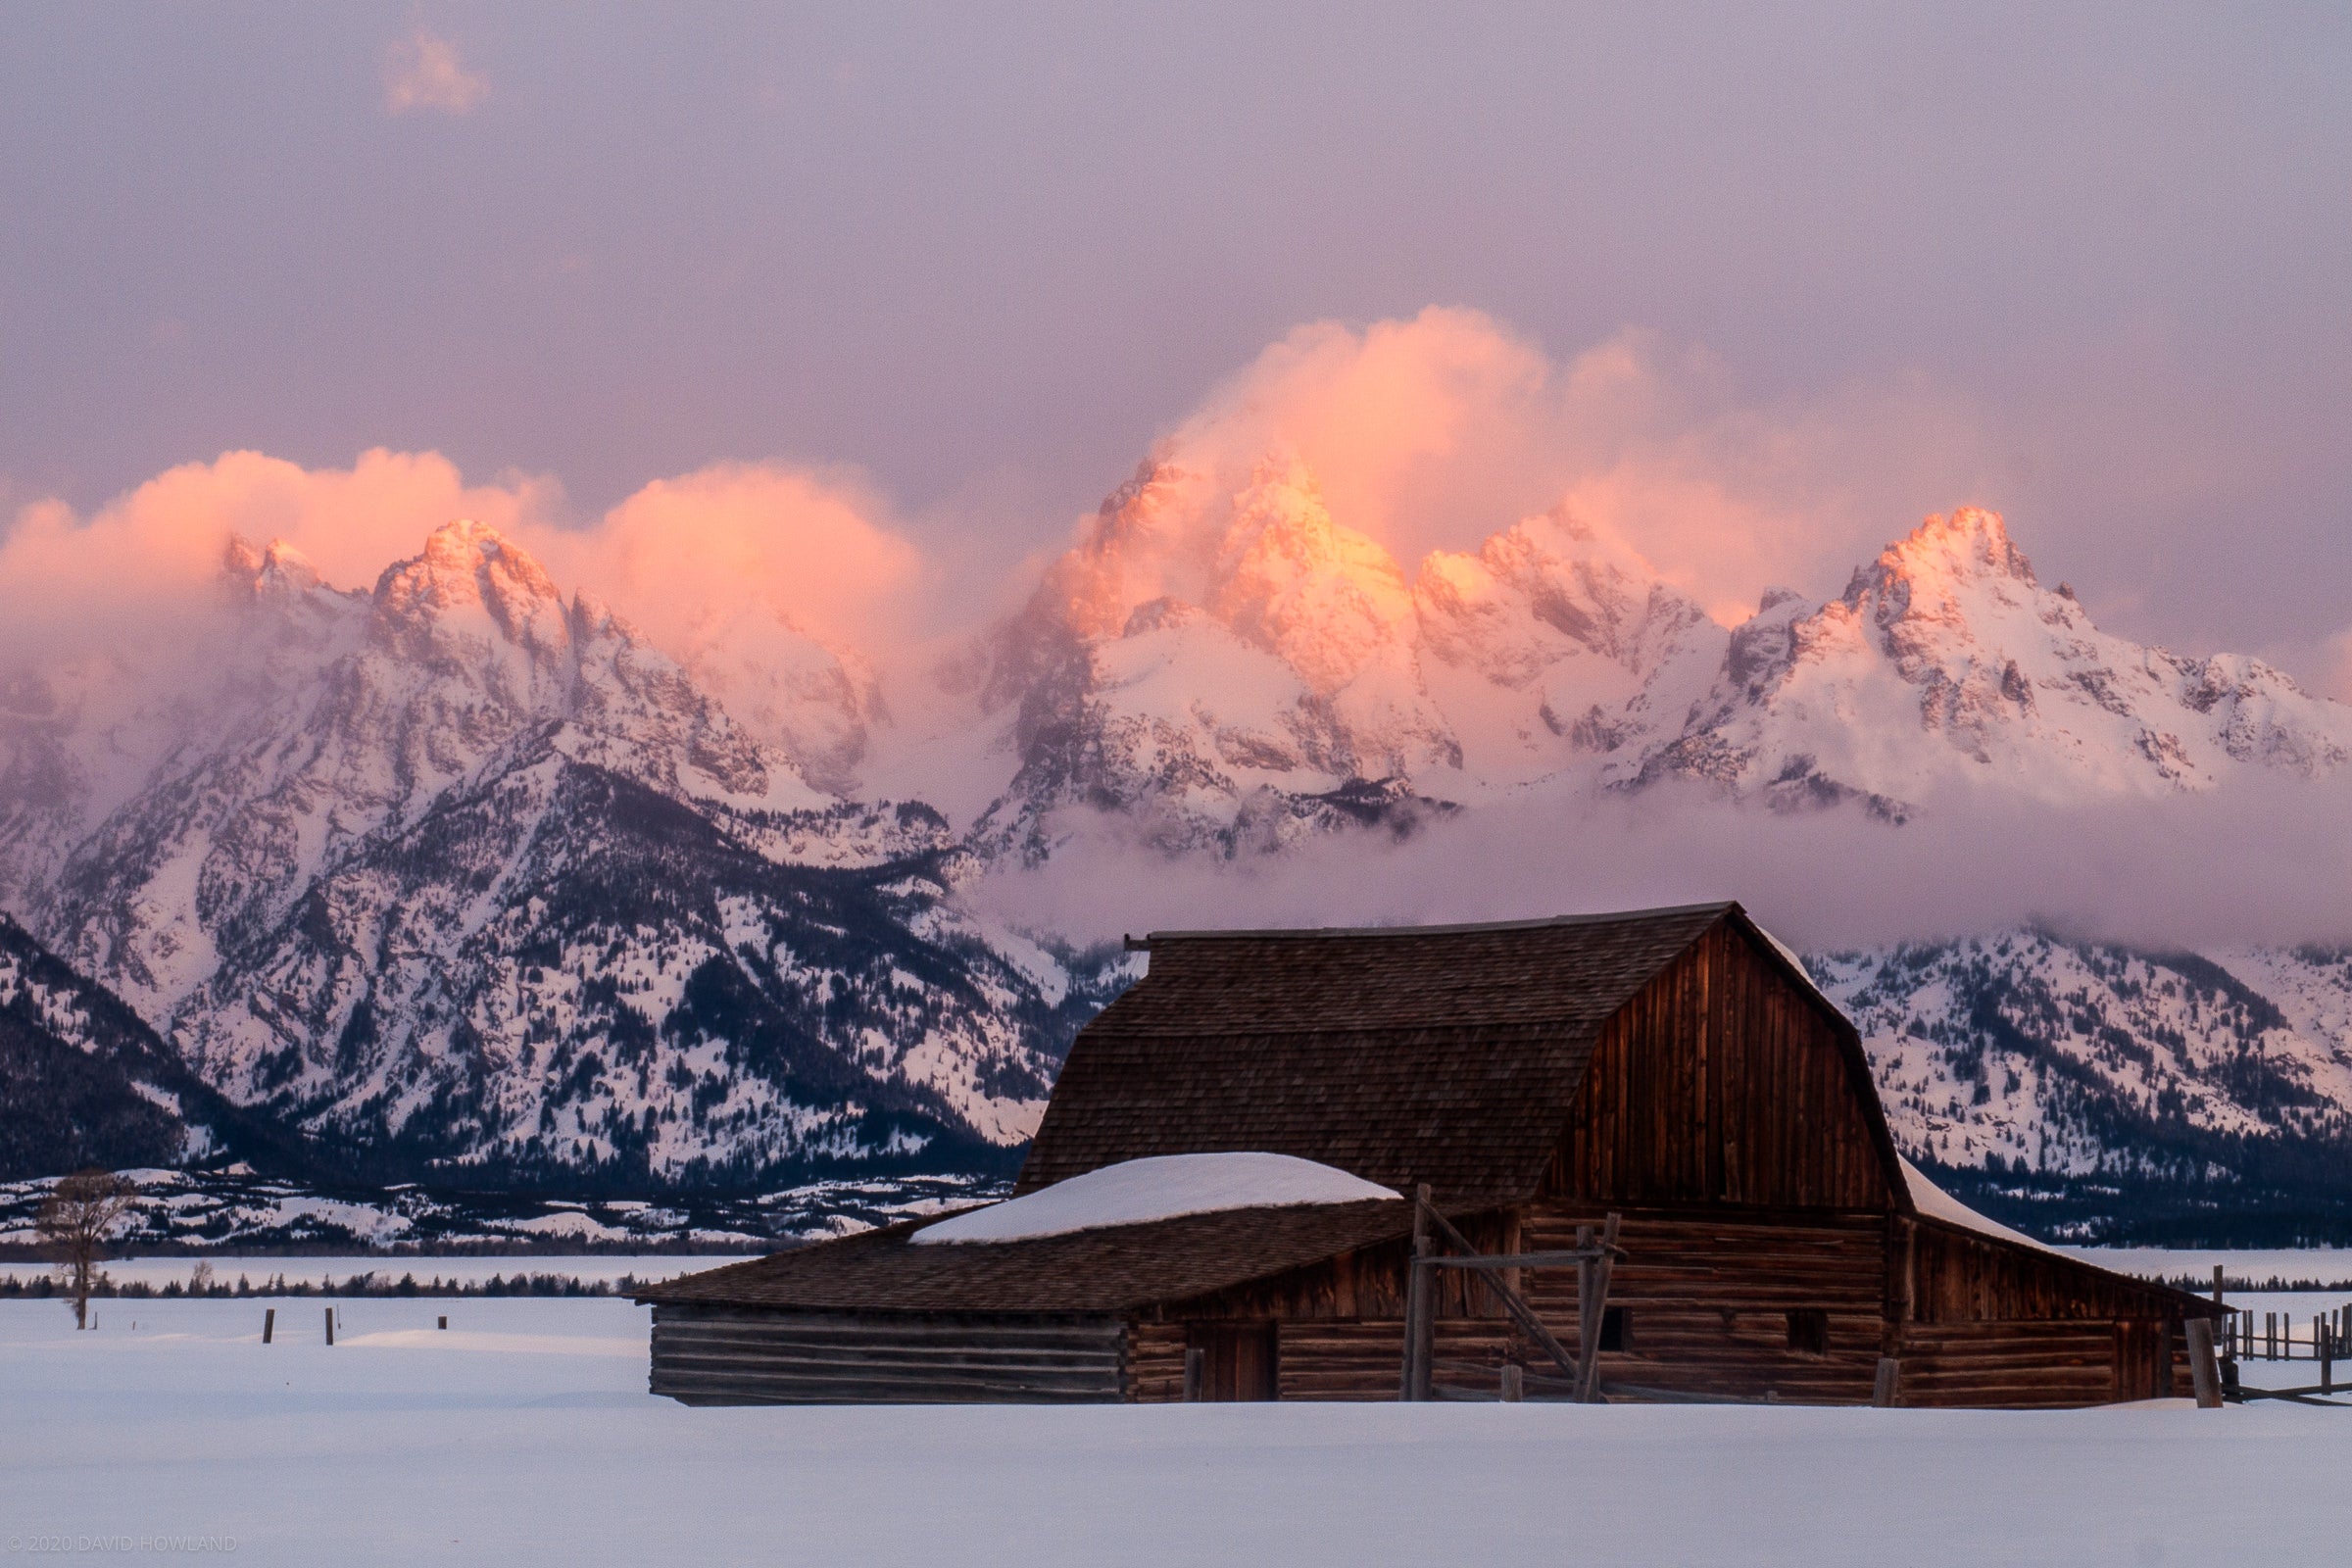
(986, 256)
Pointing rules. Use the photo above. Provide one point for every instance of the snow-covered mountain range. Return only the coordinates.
(1234, 669)
(461, 878)
(2076, 1070)
(458, 877)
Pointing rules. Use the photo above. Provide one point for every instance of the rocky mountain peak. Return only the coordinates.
(470, 587)
(1146, 542)
(1927, 570)
(275, 572)
(1948, 637)
(1326, 599)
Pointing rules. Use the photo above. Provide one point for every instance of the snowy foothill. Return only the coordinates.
(1137, 1191)
(524, 1435)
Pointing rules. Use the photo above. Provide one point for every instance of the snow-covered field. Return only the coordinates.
(524, 1435)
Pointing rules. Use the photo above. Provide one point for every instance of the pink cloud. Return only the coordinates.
(815, 551)
(422, 72)
(1433, 433)
(135, 571)
(804, 545)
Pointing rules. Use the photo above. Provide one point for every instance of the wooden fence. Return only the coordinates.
(2251, 1336)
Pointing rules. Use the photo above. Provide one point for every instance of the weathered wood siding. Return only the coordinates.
(1991, 1324)
(2011, 1364)
(1707, 1299)
(1723, 1082)
(736, 1355)
(1961, 1277)
(1155, 1362)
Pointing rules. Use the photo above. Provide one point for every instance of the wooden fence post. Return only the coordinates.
(268, 1323)
(331, 1325)
(2203, 1373)
(1195, 1375)
(1514, 1383)
(1882, 1387)
(1597, 1274)
(1587, 1321)
(1420, 1305)
(445, 1320)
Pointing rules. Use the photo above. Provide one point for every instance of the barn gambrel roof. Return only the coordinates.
(1450, 1054)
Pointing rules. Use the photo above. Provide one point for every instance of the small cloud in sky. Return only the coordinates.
(423, 71)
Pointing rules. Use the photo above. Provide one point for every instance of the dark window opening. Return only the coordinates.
(1616, 1329)
(1238, 1359)
(1809, 1331)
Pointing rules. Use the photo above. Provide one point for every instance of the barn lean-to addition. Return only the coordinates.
(1674, 1067)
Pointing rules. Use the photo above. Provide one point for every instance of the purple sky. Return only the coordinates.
(987, 256)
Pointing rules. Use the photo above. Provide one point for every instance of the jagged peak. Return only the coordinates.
(1282, 516)
(279, 569)
(1152, 480)
(1970, 542)
(1282, 531)
(466, 562)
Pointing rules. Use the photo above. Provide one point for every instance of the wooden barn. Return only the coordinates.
(1668, 1079)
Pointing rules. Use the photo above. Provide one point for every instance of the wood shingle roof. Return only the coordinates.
(1107, 1271)
(1444, 1055)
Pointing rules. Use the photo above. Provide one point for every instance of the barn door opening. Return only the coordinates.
(1237, 1359)
(2143, 1359)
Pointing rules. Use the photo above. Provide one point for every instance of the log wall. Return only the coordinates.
(2010, 1364)
(735, 1355)
(1707, 1299)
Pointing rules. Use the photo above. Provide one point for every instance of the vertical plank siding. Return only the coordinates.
(1963, 1277)
(1721, 1082)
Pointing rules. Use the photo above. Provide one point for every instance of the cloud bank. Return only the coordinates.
(422, 72)
(2265, 862)
(1435, 432)
(815, 550)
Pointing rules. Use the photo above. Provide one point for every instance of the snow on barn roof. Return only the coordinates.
(1139, 1191)
(1933, 1203)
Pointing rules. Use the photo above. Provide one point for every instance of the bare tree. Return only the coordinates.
(77, 1221)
